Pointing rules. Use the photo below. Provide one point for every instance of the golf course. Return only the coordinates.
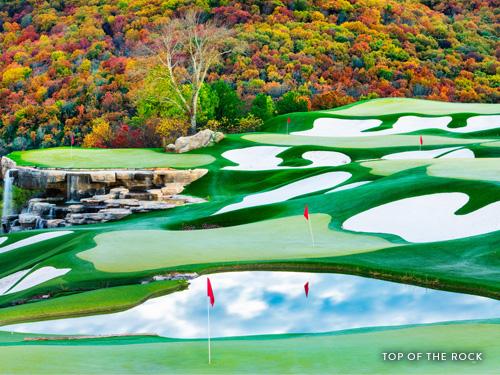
(401, 192)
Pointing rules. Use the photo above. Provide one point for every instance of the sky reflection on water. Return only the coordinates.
(250, 303)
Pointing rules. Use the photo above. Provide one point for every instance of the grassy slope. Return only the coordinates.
(384, 106)
(90, 303)
(65, 157)
(356, 351)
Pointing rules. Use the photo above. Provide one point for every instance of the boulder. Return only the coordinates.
(76, 208)
(56, 223)
(121, 202)
(187, 199)
(111, 214)
(40, 208)
(118, 191)
(103, 176)
(28, 220)
(204, 138)
(172, 188)
(85, 218)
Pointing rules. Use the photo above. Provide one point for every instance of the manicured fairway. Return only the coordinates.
(65, 157)
(256, 190)
(348, 352)
(384, 106)
(388, 141)
(124, 253)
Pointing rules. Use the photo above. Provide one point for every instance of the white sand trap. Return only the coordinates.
(39, 276)
(34, 239)
(463, 153)
(333, 127)
(336, 127)
(262, 158)
(427, 218)
(8, 281)
(479, 123)
(295, 189)
(448, 152)
(325, 158)
(348, 186)
(255, 158)
(3, 239)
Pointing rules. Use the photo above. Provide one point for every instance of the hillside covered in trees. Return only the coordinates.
(76, 68)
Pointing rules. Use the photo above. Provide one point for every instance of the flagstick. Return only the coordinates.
(208, 326)
(311, 231)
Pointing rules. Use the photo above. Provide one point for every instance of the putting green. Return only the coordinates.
(486, 169)
(386, 141)
(356, 351)
(385, 106)
(64, 157)
(278, 239)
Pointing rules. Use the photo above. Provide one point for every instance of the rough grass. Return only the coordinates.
(349, 352)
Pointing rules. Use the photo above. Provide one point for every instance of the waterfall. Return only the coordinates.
(71, 189)
(7, 206)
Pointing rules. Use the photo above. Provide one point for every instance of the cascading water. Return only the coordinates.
(71, 189)
(7, 195)
(7, 202)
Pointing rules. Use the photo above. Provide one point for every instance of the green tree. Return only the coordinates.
(263, 107)
(230, 106)
(292, 101)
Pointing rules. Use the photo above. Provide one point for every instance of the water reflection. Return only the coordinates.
(250, 303)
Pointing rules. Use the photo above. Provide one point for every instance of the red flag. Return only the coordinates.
(72, 139)
(210, 292)
(288, 120)
(306, 212)
(306, 289)
(421, 141)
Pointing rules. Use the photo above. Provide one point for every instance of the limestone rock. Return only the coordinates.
(115, 213)
(85, 218)
(203, 138)
(188, 199)
(118, 191)
(103, 176)
(121, 202)
(56, 223)
(76, 208)
(172, 188)
(28, 220)
(40, 208)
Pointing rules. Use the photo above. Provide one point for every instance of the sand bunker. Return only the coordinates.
(34, 239)
(295, 189)
(262, 158)
(427, 218)
(336, 127)
(8, 281)
(37, 277)
(448, 152)
(333, 127)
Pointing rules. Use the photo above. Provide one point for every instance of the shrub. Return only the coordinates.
(169, 129)
(100, 136)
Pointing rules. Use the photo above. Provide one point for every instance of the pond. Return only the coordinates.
(251, 303)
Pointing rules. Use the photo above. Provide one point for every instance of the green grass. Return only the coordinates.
(166, 249)
(349, 352)
(89, 303)
(387, 141)
(106, 257)
(65, 157)
(385, 106)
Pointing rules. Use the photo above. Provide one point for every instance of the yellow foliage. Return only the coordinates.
(171, 128)
(15, 73)
(100, 136)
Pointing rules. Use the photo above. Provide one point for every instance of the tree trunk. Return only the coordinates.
(193, 114)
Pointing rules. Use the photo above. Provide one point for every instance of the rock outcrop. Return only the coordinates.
(204, 138)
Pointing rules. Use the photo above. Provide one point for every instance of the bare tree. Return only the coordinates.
(186, 49)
